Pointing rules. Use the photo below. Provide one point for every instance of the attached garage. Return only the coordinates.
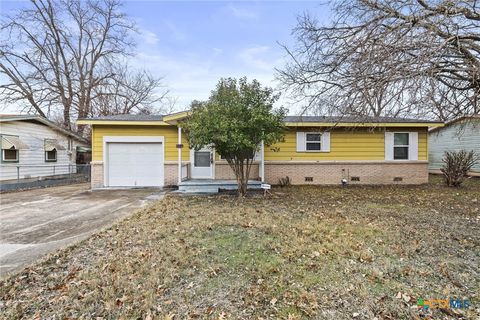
(134, 161)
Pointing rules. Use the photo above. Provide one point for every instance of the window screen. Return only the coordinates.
(312, 142)
(202, 159)
(10, 155)
(51, 155)
(400, 146)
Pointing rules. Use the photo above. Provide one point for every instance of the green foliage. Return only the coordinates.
(236, 118)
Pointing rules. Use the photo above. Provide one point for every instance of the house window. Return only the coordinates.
(313, 142)
(51, 156)
(51, 146)
(400, 146)
(11, 146)
(10, 155)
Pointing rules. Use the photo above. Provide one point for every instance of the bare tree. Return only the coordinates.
(57, 56)
(128, 92)
(379, 57)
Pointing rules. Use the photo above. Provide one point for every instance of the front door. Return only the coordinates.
(202, 163)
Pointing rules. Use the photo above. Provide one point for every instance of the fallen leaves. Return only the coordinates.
(316, 252)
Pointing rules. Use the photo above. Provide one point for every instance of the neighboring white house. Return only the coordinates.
(458, 134)
(35, 147)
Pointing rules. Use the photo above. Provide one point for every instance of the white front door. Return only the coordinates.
(201, 163)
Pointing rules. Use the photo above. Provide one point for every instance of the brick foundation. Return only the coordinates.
(223, 171)
(374, 172)
(381, 172)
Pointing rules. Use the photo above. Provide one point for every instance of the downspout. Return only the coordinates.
(179, 147)
(262, 161)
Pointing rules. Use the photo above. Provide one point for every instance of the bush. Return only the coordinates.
(285, 182)
(456, 166)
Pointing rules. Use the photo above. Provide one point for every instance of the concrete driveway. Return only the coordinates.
(36, 222)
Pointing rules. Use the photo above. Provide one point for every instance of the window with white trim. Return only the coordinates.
(313, 141)
(51, 146)
(51, 156)
(9, 155)
(401, 145)
(10, 148)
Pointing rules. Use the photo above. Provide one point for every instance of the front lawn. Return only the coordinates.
(321, 252)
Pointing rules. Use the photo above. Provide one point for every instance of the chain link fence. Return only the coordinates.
(16, 177)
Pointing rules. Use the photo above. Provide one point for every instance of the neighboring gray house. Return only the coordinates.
(34, 147)
(458, 134)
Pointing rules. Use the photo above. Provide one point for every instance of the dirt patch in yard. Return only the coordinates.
(305, 252)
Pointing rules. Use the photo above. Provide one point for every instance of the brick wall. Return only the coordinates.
(171, 174)
(96, 172)
(412, 172)
(223, 171)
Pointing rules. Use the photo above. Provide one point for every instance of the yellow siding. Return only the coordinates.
(169, 134)
(345, 144)
(423, 144)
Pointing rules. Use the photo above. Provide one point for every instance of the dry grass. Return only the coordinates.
(305, 252)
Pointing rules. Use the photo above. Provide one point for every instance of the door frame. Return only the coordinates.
(131, 139)
(212, 166)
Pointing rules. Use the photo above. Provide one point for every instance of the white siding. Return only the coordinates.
(32, 161)
(454, 137)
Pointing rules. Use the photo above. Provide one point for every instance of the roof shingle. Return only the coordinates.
(129, 117)
(350, 119)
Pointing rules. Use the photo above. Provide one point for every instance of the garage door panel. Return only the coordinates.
(135, 164)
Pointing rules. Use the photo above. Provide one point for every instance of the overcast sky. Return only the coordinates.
(194, 43)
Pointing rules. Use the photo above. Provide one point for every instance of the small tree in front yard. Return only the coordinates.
(234, 120)
(456, 166)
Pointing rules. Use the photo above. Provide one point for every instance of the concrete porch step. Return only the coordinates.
(212, 185)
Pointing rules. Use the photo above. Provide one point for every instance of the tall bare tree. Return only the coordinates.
(380, 57)
(127, 92)
(56, 56)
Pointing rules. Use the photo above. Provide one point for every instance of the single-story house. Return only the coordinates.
(462, 133)
(34, 147)
(152, 150)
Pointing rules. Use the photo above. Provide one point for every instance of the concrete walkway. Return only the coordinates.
(36, 222)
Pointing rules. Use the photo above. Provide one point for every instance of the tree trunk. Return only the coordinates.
(242, 173)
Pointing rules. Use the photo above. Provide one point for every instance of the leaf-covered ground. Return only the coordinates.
(305, 252)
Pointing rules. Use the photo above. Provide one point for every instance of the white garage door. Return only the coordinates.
(135, 164)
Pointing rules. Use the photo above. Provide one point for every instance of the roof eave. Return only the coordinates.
(364, 124)
(122, 122)
(451, 122)
(48, 124)
(175, 117)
